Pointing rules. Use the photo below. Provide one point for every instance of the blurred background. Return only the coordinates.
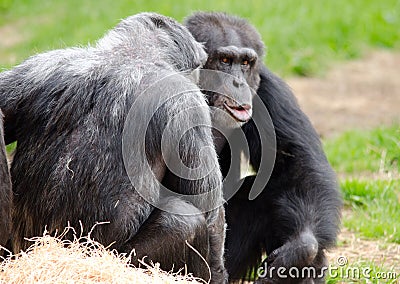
(342, 60)
(302, 36)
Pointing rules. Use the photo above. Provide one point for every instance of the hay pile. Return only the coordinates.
(52, 260)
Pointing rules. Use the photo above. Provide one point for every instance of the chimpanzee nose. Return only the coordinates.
(237, 82)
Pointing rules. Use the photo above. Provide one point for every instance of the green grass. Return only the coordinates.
(372, 206)
(302, 36)
(11, 147)
(375, 204)
(365, 151)
(375, 208)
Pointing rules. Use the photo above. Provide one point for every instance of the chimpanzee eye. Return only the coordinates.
(225, 60)
(245, 62)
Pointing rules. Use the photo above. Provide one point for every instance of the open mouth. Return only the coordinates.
(241, 113)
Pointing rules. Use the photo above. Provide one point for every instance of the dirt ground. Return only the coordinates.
(359, 94)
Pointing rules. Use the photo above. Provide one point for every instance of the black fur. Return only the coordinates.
(297, 215)
(67, 109)
(5, 191)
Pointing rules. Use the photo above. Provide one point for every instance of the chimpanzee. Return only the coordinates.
(294, 217)
(93, 126)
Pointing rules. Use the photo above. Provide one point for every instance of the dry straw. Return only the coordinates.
(83, 260)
